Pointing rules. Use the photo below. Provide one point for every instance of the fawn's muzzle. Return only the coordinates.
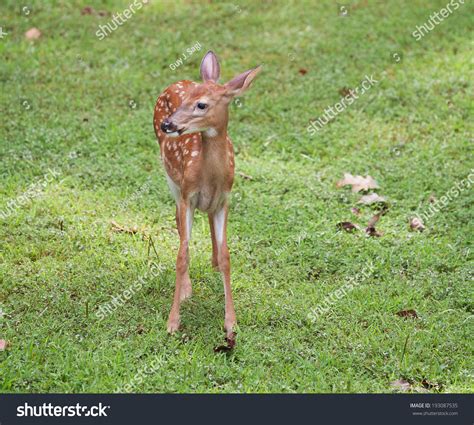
(168, 127)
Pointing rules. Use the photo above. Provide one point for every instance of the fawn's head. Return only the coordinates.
(205, 107)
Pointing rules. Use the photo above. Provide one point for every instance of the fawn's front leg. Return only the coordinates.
(220, 231)
(186, 287)
(184, 221)
(215, 255)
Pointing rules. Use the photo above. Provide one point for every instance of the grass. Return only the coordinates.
(84, 107)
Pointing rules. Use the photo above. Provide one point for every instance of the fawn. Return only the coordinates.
(190, 122)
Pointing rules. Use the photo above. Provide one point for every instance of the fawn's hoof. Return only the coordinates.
(229, 344)
(229, 326)
(173, 325)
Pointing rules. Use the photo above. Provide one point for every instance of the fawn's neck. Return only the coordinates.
(214, 138)
(216, 154)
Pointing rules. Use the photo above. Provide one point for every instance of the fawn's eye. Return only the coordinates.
(201, 105)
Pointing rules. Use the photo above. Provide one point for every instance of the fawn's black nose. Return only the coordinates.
(168, 127)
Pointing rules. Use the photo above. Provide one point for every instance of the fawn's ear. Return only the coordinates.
(239, 84)
(210, 68)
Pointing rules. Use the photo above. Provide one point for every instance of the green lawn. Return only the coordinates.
(82, 108)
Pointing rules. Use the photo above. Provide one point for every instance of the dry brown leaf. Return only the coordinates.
(431, 385)
(345, 91)
(417, 224)
(244, 176)
(87, 11)
(118, 228)
(33, 34)
(372, 231)
(347, 226)
(401, 385)
(355, 211)
(373, 221)
(407, 313)
(358, 183)
(303, 71)
(371, 198)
